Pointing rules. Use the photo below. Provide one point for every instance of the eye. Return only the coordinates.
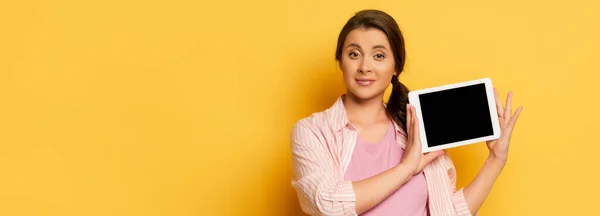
(379, 57)
(354, 55)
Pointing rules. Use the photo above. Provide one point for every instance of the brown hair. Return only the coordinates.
(396, 106)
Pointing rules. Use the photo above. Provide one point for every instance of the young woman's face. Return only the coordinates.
(367, 63)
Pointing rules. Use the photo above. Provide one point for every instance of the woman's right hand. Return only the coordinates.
(413, 158)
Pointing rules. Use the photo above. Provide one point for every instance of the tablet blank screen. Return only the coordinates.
(456, 114)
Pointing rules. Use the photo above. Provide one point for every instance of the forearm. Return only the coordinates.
(372, 191)
(479, 188)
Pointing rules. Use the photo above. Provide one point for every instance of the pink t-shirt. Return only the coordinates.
(369, 159)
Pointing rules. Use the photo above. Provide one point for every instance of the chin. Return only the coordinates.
(364, 94)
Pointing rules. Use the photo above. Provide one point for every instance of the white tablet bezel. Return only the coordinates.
(413, 97)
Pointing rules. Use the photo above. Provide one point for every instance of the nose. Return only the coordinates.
(364, 67)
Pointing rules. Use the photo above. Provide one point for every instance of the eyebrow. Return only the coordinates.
(374, 47)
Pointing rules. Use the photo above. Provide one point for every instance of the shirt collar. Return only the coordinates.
(338, 112)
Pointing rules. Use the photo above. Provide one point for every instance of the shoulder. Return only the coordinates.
(314, 124)
(318, 125)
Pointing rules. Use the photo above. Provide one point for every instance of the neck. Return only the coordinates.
(367, 111)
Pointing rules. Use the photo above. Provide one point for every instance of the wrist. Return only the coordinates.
(500, 161)
(405, 168)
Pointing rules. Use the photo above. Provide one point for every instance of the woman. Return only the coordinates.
(360, 156)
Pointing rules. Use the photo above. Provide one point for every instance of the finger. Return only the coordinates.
(513, 119)
(432, 155)
(499, 107)
(417, 129)
(508, 110)
(408, 124)
(413, 124)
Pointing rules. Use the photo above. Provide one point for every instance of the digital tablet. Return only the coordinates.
(456, 114)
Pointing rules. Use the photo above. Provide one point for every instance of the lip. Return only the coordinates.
(365, 82)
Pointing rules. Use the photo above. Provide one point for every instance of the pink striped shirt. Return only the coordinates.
(322, 146)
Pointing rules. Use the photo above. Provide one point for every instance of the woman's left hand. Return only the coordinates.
(499, 147)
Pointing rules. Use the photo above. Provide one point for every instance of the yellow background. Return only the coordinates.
(185, 107)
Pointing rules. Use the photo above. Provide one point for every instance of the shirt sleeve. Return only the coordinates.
(460, 203)
(317, 180)
(458, 197)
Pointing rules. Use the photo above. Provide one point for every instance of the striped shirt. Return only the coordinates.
(322, 146)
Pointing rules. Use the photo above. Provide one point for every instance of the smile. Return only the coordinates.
(365, 82)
